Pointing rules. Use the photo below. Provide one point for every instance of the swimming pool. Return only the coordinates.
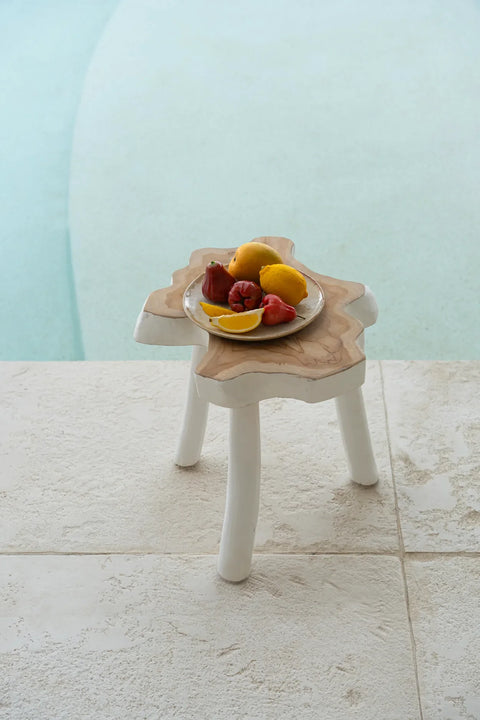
(139, 131)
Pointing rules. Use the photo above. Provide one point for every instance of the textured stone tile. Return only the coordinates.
(87, 455)
(434, 420)
(88, 452)
(308, 501)
(110, 637)
(445, 614)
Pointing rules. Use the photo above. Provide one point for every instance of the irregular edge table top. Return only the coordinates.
(329, 345)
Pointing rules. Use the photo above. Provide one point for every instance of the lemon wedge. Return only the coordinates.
(215, 310)
(239, 322)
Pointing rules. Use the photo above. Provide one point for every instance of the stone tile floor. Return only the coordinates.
(363, 602)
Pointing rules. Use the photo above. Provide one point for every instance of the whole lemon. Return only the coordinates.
(249, 258)
(284, 281)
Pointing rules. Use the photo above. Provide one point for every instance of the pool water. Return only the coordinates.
(138, 131)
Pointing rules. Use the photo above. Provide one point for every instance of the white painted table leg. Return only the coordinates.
(243, 490)
(190, 443)
(356, 437)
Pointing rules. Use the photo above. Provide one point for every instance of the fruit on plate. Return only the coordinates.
(277, 311)
(215, 310)
(217, 282)
(239, 322)
(244, 295)
(249, 258)
(284, 281)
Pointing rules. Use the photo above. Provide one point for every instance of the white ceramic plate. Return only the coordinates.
(308, 309)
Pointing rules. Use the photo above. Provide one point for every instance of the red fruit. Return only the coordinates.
(217, 282)
(276, 311)
(244, 295)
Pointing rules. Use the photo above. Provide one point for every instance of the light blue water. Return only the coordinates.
(350, 128)
(45, 49)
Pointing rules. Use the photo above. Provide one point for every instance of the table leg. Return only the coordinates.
(356, 437)
(195, 414)
(243, 491)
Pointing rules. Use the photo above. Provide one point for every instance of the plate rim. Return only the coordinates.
(247, 337)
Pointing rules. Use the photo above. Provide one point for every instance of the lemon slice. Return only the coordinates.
(215, 310)
(239, 322)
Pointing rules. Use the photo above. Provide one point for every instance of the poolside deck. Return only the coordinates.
(363, 602)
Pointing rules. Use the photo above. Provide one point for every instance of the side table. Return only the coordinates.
(322, 361)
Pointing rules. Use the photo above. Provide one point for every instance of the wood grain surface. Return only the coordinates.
(168, 302)
(325, 347)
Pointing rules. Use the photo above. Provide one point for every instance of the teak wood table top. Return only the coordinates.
(327, 346)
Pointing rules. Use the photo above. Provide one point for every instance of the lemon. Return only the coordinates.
(249, 258)
(284, 281)
(239, 322)
(215, 310)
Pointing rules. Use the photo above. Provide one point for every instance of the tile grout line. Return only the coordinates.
(155, 553)
(401, 544)
(430, 556)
